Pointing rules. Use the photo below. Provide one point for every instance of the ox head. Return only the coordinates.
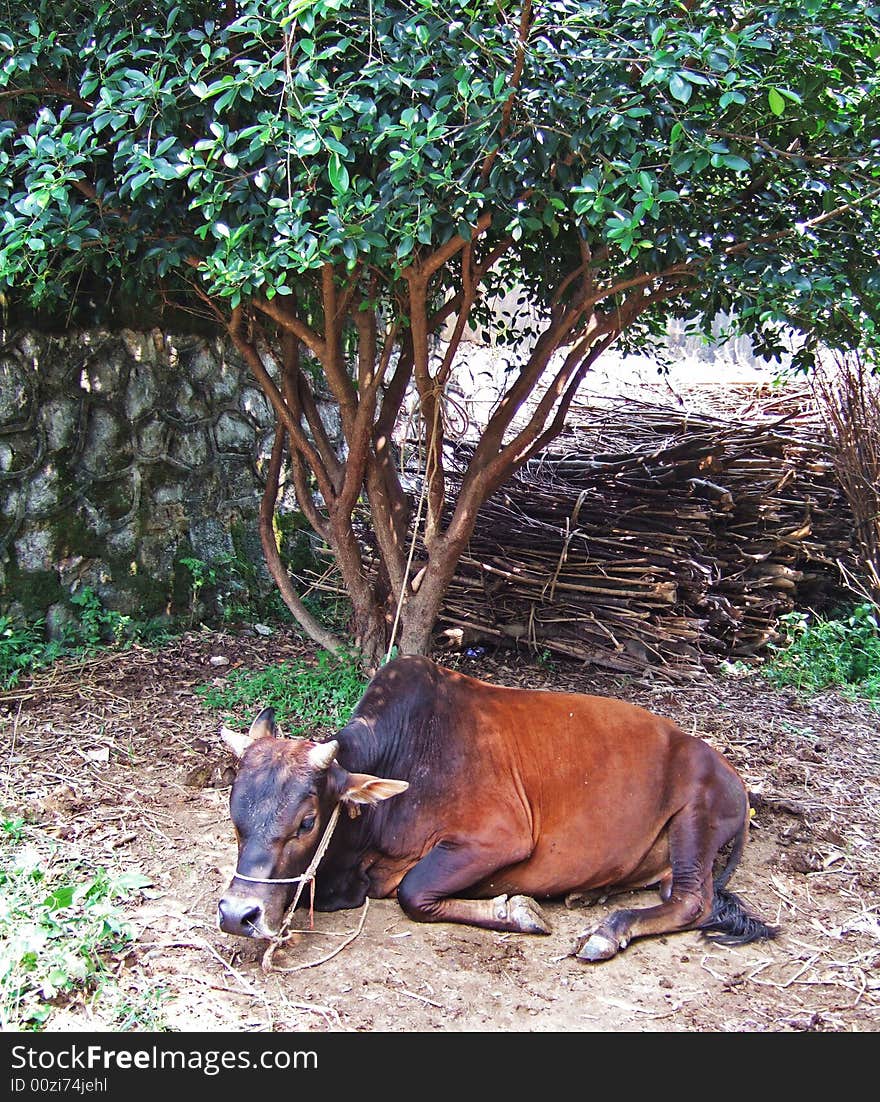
(282, 798)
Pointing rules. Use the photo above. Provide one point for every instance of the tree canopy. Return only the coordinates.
(334, 183)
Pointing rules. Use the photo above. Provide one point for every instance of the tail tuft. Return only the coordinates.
(733, 924)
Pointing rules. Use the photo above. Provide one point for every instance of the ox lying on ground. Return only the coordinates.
(476, 799)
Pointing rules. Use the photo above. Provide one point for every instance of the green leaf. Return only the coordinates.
(315, 131)
(338, 173)
(164, 169)
(680, 88)
(165, 145)
(728, 98)
(62, 897)
(306, 143)
(127, 882)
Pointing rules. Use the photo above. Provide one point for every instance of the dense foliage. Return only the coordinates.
(334, 182)
(822, 653)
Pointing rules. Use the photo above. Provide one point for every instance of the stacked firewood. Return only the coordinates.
(650, 536)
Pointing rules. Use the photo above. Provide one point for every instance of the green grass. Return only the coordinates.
(829, 653)
(235, 596)
(64, 937)
(24, 649)
(305, 696)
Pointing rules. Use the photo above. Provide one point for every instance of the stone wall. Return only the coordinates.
(121, 454)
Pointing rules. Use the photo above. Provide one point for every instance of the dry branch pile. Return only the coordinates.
(652, 536)
(848, 396)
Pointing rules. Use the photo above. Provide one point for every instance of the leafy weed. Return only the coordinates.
(823, 653)
(305, 696)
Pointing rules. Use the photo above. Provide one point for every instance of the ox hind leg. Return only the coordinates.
(430, 891)
(687, 894)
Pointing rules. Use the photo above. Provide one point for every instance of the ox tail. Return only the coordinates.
(730, 923)
(734, 856)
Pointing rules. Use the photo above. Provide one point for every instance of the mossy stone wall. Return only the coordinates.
(120, 454)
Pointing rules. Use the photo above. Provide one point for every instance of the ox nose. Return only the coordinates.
(243, 917)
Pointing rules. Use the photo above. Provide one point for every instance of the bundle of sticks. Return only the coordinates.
(650, 536)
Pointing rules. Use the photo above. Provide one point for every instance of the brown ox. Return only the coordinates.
(500, 796)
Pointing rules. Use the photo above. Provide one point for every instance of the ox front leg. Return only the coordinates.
(430, 892)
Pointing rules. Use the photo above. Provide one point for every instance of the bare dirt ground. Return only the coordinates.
(120, 759)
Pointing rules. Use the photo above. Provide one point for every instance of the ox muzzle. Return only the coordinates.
(245, 913)
(245, 916)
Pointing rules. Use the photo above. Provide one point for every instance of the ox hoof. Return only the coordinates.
(596, 947)
(527, 915)
(584, 899)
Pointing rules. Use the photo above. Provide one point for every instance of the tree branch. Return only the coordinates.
(480, 270)
(361, 425)
(430, 400)
(291, 598)
(484, 477)
(282, 410)
(468, 297)
(426, 268)
(525, 22)
(332, 361)
(293, 384)
(279, 312)
(305, 399)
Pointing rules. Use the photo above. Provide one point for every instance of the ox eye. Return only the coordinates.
(306, 825)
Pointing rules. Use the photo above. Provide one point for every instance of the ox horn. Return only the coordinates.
(237, 741)
(322, 754)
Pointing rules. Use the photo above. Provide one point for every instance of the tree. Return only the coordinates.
(333, 183)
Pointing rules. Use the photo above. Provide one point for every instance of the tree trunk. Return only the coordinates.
(333, 479)
(416, 629)
(424, 598)
(369, 629)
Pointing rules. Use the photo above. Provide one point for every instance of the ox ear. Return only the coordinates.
(361, 788)
(264, 726)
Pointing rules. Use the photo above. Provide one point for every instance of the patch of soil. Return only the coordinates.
(119, 757)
